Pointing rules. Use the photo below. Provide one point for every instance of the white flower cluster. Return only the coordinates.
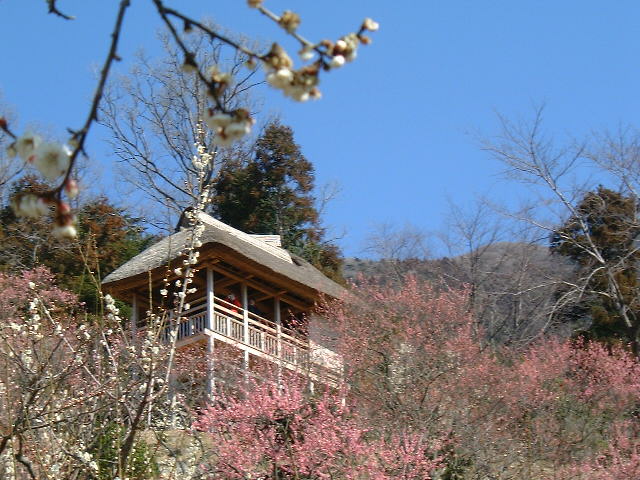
(203, 159)
(88, 460)
(344, 50)
(29, 205)
(52, 160)
(112, 311)
(228, 127)
(65, 232)
(300, 85)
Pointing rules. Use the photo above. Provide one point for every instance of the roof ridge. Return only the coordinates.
(276, 251)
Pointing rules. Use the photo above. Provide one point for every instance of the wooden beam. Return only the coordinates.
(272, 292)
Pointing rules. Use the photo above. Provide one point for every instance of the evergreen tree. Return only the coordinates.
(273, 194)
(601, 240)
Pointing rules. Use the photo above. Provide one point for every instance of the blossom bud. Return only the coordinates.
(63, 208)
(370, 25)
(251, 63)
(189, 65)
(71, 188)
(254, 3)
(337, 61)
(315, 94)
(339, 47)
(306, 53)
(290, 21)
(65, 232)
(3, 123)
(278, 58)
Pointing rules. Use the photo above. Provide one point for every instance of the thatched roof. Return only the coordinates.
(270, 258)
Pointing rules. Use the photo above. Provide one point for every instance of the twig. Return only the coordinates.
(54, 10)
(204, 28)
(189, 56)
(80, 135)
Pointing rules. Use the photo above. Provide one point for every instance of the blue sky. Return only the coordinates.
(397, 127)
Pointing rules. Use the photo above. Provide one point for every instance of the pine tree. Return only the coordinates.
(601, 240)
(273, 194)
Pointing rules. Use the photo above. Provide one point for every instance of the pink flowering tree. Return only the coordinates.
(415, 363)
(285, 432)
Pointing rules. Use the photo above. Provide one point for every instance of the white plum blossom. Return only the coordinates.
(237, 129)
(217, 120)
(281, 78)
(370, 24)
(64, 232)
(300, 85)
(337, 61)
(229, 127)
(30, 206)
(52, 160)
(216, 75)
(26, 145)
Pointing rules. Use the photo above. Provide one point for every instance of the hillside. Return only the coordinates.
(512, 286)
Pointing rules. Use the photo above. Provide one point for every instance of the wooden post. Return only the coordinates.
(211, 381)
(210, 298)
(245, 328)
(278, 320)
(134, 317)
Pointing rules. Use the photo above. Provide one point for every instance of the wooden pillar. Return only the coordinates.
(134, 317)
(210, 298)
(211, 381)
(278, 319)
(245, 328)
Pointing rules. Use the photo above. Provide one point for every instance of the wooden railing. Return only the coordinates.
(255, 331)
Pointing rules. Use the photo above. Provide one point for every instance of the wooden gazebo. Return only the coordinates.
(251, 295)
